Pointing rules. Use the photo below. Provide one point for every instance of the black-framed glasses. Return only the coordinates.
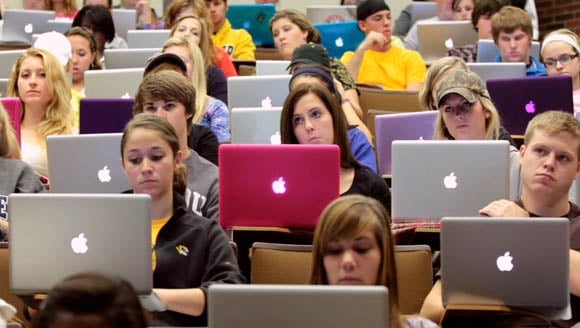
(563, 59)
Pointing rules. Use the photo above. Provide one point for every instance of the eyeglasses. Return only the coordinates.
(563, 59)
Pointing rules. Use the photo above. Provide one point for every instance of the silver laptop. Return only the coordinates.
(7, 60)
(4, 87)
(435, 37)
(124, 20)
(20, 24)
(256, 125)
(423, 10)
(86, 163)
(147, 38)
(496, 261)
(445, 177)
(487, 50)
(494, 71)
(113, 83)
(330, 13)
(291, 306)
(272, 67)
(60, 26)
(258, 91)
(128, 58)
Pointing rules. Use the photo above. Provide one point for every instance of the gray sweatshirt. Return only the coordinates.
(202, 194)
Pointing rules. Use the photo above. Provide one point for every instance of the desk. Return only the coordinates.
(13, 46)
(268, 54)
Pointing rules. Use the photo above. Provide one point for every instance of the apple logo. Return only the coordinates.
(504, 262)
(267, 102)
(450, 181)
(104, 174)
(339, 42)
(28, 28)
(276, 138)
(449, 43)
(279, 186)
(79, 244)
(530, 107)
(126, 95)
(421, 138)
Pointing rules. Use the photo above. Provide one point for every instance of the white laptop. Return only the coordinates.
(256, 125)
(86, 163)
(7, 60)
(272, 67)
(128, 58)
(487, 50)
(124, 20)
(20, 24)
(113, 83)
(330, 13)
(291, 306)
(520, 262)
(423, 10)
(436, 178)
(258, 91)
(147, 38)
(435, 37)
(495, 71)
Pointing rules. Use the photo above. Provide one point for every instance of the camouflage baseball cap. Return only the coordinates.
(465, 83)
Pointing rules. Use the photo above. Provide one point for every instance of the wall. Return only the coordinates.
(554, 14)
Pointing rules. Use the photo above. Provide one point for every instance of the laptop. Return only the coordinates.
(147, 38)
(272, 67)
(258, 91)
(519, 100)
(494, 71)
(113, 83)
(487, 50)
(423, 10)
(104, 115)
(124, 20)
(401, 126)
(128, 58)
(256, 125)
(435, 37)
(340, 37)
(7, 60)
(290, 306)
(494, 261)
(20, 24)
(254, 18)
(261, 186)
(436, 175)
(330, 14)
(60, 26)
(86, 163)
(13, 107)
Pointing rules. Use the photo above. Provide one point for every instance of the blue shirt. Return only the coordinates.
(535, 69)
(361, 149)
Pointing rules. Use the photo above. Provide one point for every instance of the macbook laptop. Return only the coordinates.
(104, 115)
(340, 37)
(290, 306)
(423, 10)
(13, 107)
(401, 126)
(272, 67)
(494, 71)
(445, 177)
(113, 83)
(7, 60)
(261, 185)
(4, 87)
(495, 261)
(254, 18)
(519, 100)
(330, 14)
(487, 50)
(258, 91)
(124, 20)
(87, 163)
(60, 26)
(147, 38)
(20, 24)
(435, 37)
(128, 58)
(256, 125)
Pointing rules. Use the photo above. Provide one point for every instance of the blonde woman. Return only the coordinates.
(63, 9)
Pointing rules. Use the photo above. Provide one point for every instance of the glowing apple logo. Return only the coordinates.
(276, 139)
(104, 174)
(339, 42)
(126, 95)
(449, 43)
(79, 244)
(28, 28)
(266, 102)
(530, 107)
(279, 186)
(450, 181)
(504, 262)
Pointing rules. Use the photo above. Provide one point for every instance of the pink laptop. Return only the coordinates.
(284, 186)
(14, 108)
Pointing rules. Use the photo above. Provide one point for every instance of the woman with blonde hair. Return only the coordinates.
(436, 71)
(180, 8)
(63, 9)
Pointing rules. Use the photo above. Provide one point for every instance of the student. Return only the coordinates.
(376, 60)
(560, 50)
(436, 71)
(84, 55)
(153, 163)
(550, 161)
(63, 9)
(312, 115)
(180, 8)
(353, 245)
(462, 9)
(238, 43)
(444, 13)
(512, 33)
(99, 20)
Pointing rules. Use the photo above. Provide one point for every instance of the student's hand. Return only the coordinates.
(374, 40)
(503, 208)
(339, 88)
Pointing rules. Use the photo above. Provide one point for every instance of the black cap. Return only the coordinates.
(366, 8)
(310, 53)
(164, 57)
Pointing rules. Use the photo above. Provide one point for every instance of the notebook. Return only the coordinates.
(330, 14)
(256, 125)
(340, 37)
(495, 261)
(487, 50)
(128, 58)
(290, 306)
(104, 115)
(261, 185)
(147, 38)
(494, 71)
(435, 37)
(124, 20)
(60, 26)
(401, 126)
(87, 163)
(254, 18)
(272, 67)
(519, 100)
(20, 24)
(13, 107)
(436, 175)
(7, 60)
(258, 91)
(113, 83)
(423, 10)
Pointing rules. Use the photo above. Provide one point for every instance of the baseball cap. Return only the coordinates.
(464, 83)
(164, 57)
(368, 7)
(57, 44)
(310, 53)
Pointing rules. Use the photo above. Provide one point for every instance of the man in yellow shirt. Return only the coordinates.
(237, 43)
(376, 60)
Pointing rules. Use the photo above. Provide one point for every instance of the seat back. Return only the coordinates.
(281, 263)
(387, 100)
(414, 276)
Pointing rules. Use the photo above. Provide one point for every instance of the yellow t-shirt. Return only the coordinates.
(75, 101)
(156, 226)
(238, 43)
